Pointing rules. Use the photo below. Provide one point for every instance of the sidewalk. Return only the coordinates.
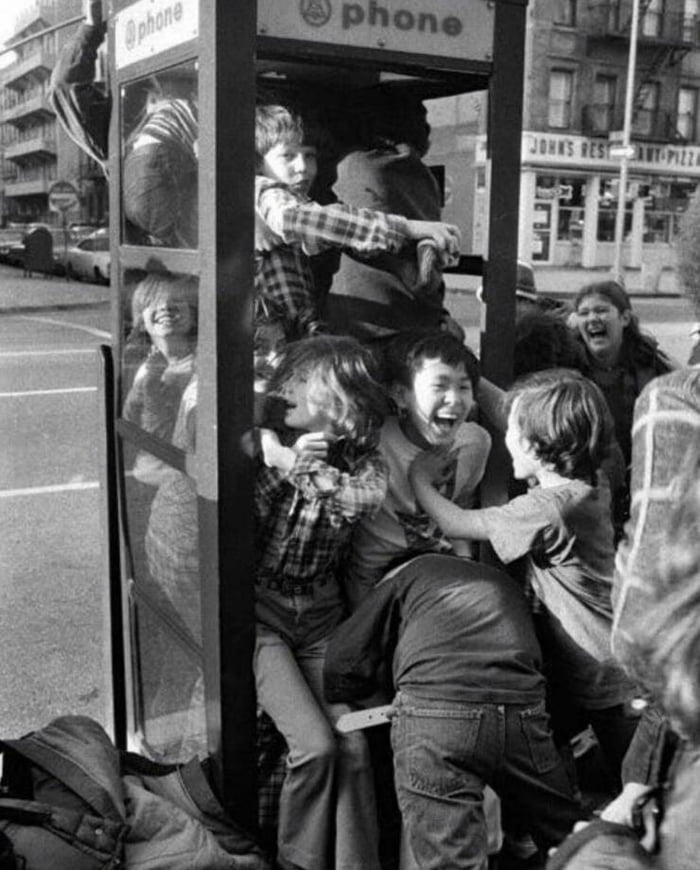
(561, 282)
(19, 293)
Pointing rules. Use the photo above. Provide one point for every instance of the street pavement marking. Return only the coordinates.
(21, 393)
(48, 490)
(63, 352)
(99, 333)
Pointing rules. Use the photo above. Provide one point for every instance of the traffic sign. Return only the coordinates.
(63, 196)
(621, 152)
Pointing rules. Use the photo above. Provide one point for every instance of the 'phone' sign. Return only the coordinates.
(151, 26)
(448, 28)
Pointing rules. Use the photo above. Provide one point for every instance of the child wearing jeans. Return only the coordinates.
(433, 378)
(469, 706)
(294, 227)
(558, 433)
(321, 474)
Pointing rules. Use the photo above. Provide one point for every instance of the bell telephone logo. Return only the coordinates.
(316, 12)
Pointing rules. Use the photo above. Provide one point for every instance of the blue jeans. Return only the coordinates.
(444, 754)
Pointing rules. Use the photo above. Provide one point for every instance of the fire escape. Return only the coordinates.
(663, 40)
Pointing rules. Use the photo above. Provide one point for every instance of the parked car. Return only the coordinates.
(89, 259)
(10, 239)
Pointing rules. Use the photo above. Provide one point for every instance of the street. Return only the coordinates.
(51, 607)
(51, 578)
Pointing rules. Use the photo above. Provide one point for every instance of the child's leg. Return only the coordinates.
(305, 818)
(614, 727)
(443, 753)
(532, 782)
(356, 829)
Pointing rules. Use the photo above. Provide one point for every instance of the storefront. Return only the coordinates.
(569, 194)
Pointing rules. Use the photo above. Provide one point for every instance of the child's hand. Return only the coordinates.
(446, 237)
(265, 238)
(314, 444)
(275, 454)
(92, 12)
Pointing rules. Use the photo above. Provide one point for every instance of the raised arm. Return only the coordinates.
(454, 521)
(82, 105)
(361, 230)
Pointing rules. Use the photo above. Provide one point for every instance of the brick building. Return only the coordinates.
(36, 150)
(574, 94)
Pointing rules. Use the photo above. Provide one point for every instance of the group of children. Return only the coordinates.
(367, 538)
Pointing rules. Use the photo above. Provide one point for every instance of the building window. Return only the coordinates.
(645, 121)
(653, 19)
(565, 12)
(561, 89)
(686, 124)
(691, 12)
(604, 92)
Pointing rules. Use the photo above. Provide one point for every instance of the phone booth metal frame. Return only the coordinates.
(228, 45)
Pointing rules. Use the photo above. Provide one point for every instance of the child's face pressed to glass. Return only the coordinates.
(437, 404)
(169, 314)
(293, 164)
(303, 413)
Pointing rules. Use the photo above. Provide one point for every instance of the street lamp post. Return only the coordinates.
(626, 148)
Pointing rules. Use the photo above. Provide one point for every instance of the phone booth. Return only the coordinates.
(184, 76)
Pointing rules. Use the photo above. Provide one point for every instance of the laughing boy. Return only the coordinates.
(433, 380)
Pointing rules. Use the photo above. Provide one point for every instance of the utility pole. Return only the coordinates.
(626, 150)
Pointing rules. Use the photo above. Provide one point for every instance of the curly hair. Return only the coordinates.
(665, 650)
(341, 378)
(543, 340)
(565, 418)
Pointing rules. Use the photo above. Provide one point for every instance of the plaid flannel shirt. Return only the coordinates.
(304, 228)
(306, 515)
(666, 427)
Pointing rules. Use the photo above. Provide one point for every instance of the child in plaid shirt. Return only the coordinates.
(291, 227)
(321, 474)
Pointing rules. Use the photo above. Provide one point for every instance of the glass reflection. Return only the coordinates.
(160, 159)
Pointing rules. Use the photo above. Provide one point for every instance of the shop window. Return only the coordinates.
(561, 89)
(607, 211)
(686, 124)
(665, 204)
(565, 12)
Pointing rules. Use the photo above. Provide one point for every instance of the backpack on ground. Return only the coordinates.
(59, 808)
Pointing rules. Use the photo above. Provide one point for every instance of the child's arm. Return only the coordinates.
(361, 230)
(454, 521)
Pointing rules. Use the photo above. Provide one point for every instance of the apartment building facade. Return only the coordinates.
(574, 93)
(36, 151)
